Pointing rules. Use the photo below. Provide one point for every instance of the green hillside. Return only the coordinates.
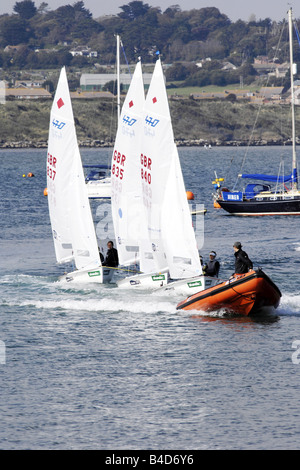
(194, 122)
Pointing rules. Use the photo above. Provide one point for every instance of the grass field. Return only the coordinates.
(187, 91)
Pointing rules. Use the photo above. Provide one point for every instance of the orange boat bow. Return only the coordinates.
(243, 294)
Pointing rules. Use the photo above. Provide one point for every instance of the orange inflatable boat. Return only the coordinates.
(242, 294)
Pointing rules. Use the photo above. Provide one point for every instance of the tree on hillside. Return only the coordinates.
(43, 8)
(67, 23)
(80, 8)
(25, 9)
(14, 30)
(133, 10)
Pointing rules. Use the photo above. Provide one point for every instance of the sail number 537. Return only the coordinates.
(51, 166)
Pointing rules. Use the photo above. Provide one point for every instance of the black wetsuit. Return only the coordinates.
(212, 268)
(111, 259)
(242, 262)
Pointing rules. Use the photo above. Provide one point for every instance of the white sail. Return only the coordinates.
(126, 198)
(70, 214)
(177, 229)
(169, 220)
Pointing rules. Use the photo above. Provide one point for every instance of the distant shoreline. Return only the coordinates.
(179, 143)
(195, 124)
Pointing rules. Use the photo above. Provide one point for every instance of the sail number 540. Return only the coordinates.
(146, 168)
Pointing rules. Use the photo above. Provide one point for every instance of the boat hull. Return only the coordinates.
(100, 275)
(190, 285)
(99, 189)
(243, 294)
(278, 206)
(145, 280)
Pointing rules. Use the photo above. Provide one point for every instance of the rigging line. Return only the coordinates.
(123, 50)
(297, 31)
(259, 109)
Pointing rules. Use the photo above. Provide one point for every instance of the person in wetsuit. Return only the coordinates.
(213, 266)
(111, 259)
(242, 261)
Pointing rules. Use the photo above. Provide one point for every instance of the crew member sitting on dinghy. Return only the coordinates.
(213, 266)
(242, 262)
(111, 259)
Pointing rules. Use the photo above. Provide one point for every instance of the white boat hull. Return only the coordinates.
(145, 281)
(100, 275)
(191, 285)
(99, 189)
(162, 282)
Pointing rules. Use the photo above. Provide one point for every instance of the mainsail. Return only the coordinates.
(70, 214)
(126, 198)
(169, 221)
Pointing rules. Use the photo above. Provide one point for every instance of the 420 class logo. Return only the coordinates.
(151, 122)
(58, 124)
(128, 120)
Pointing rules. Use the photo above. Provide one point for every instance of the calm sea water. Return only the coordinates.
(101, 368)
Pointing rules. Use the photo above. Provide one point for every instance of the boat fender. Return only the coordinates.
(46, 192)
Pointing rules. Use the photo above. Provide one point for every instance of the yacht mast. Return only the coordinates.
(118, 77)
(294, 161)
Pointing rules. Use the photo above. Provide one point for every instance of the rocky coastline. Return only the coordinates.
(180, 143)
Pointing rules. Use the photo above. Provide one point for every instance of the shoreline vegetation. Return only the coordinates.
(195, 123)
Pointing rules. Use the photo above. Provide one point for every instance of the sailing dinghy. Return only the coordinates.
(69, 209)
(169, 220)
(167, 248)
(128, 214)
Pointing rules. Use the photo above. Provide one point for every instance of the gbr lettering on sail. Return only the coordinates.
(118, 165)
(146, 168)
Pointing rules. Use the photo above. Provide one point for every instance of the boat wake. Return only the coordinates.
(42, 293)
(289, 305)
(104, 305)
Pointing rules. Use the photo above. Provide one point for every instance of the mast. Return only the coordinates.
(118, 77)
(294, 161)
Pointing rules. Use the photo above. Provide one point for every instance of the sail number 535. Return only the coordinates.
(119, 160)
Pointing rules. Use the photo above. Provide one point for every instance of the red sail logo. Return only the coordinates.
(60, 103)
